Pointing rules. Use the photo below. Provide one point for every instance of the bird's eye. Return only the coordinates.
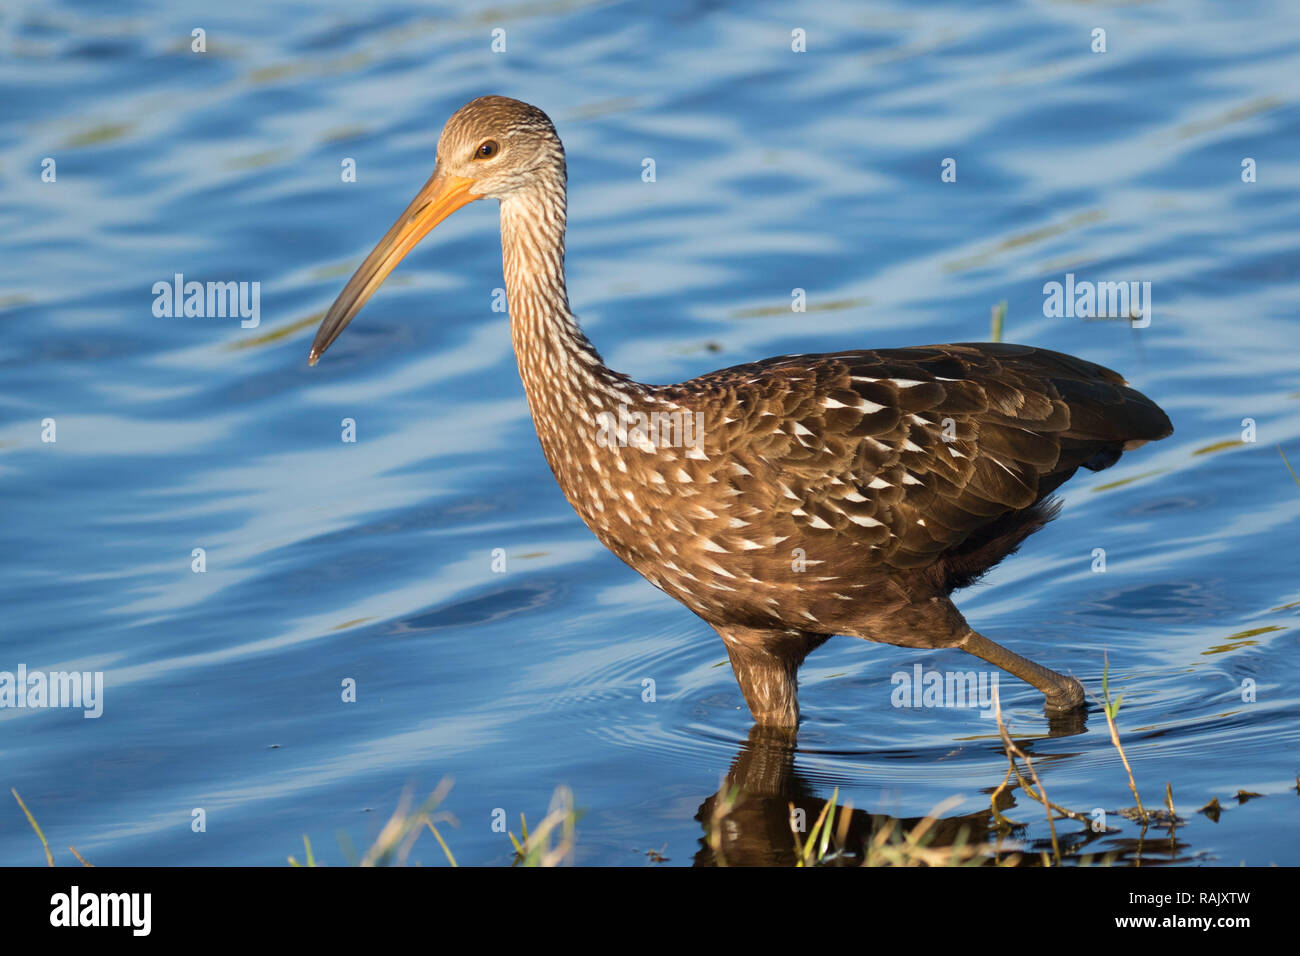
(487, 149)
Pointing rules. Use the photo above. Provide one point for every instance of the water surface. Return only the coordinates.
(373, 561)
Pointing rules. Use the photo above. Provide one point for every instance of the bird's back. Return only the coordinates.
(928, 463)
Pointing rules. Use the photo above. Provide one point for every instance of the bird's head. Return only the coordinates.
(498, 146)
(491, 147)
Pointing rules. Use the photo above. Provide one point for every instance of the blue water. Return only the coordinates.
(373, 561)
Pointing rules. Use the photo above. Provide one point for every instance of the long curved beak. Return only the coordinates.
(438, 199)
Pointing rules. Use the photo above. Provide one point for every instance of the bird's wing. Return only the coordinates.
(912, 451)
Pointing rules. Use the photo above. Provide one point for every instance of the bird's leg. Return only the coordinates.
(1061, 693)
(766, 665)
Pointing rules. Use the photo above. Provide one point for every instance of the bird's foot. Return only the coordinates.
(1066, 695)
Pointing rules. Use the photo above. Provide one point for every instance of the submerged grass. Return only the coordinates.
(561, 820)
(550, 843)
(45, 844)
(1294, 477)
(1140, 814)
(1112, 709)
(999, 314)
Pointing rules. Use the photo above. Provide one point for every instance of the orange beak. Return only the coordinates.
(438, 199)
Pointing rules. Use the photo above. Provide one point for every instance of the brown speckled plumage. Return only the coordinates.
(847, 493)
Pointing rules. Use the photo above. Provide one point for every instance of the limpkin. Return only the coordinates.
(848, 493)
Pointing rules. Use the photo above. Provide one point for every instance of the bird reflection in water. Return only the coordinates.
(747, 822)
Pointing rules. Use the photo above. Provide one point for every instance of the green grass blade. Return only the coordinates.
(442, 843)
(49, 857)
(830, 822)
(999, 314)
(1288, 465)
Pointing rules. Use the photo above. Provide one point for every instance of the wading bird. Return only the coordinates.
(849, 493)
